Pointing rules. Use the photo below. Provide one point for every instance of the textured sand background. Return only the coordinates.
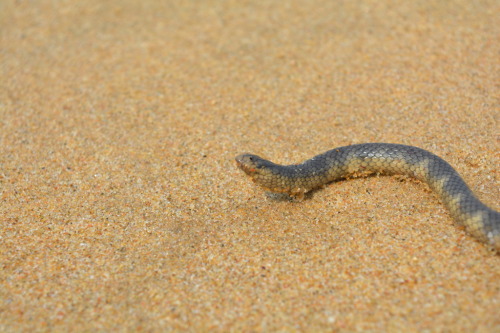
(121, 206)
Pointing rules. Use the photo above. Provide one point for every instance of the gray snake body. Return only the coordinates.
(380, 158)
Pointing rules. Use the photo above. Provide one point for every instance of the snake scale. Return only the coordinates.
(380, 158)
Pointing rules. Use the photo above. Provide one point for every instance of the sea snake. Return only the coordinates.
(380, 158)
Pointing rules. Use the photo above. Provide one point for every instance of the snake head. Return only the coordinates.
(251, 164)
(261, 171)
(272, 177)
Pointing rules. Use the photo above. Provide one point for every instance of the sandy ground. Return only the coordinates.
(121, 206)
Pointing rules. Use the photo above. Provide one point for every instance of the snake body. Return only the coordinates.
(380, 158)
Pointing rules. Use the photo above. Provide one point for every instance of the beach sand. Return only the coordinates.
(121, 205)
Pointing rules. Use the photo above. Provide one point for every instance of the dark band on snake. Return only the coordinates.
(380, 158)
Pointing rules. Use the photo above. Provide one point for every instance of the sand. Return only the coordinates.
(122, 209)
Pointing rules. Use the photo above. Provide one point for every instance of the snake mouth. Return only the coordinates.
(239, 159)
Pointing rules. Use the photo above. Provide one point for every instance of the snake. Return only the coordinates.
(367, 159)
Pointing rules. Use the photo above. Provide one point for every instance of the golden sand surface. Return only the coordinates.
(122, 209)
